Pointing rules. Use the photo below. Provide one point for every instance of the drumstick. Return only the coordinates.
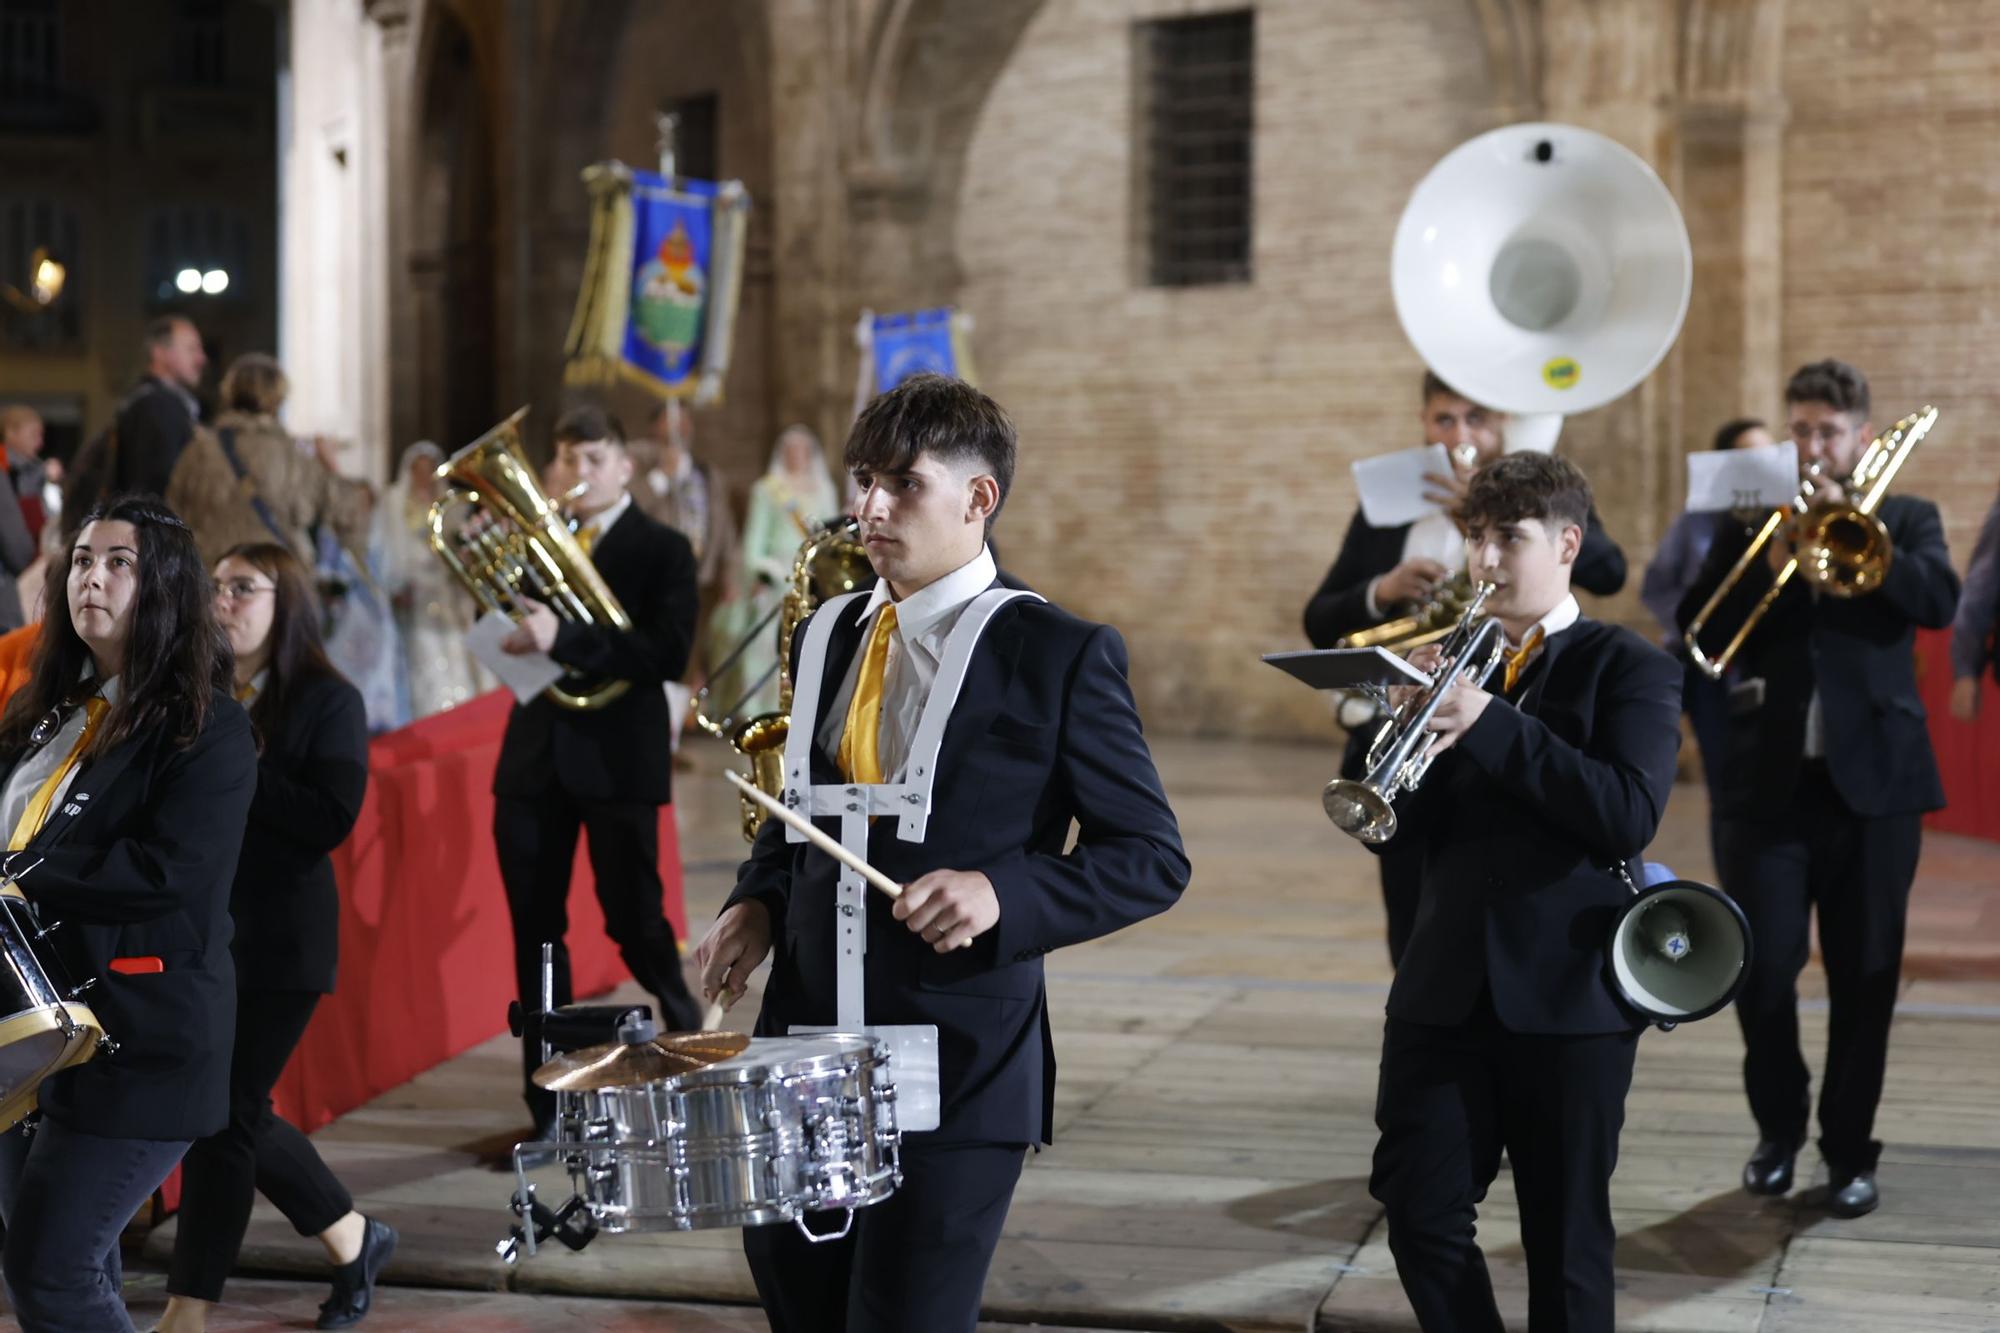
(814, 836)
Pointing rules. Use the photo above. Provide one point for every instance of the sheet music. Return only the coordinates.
(1392, 486)
(1761, 478)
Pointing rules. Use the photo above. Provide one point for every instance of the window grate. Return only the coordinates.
(1198, 90)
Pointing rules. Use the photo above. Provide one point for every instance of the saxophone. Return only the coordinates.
(830, 561)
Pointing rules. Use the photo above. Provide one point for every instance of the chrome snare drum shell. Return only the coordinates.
(792, 1125)
(43, 1028)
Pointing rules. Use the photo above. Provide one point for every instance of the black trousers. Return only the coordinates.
(1402, 868)
(1858, 872)
(1450, 1099)
(536, 842)
(914, 1263)
(66, 1197)
(256, 1152)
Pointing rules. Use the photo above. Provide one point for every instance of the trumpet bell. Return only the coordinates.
(1359, 810)
(1844, 551)
(1679, 952)
(1542, 268)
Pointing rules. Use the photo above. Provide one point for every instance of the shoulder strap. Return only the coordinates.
(247, 485)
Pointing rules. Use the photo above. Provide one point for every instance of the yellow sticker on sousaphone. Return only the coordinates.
(1561, 373)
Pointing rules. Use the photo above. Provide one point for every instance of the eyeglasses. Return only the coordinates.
(241, 590)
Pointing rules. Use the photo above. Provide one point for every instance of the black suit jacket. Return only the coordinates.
(1860, 654)
(1340, 606)
(1522, 824)
(142, 868)
(153, 428)
(310, 781)
(1045, 733)
(620, 752)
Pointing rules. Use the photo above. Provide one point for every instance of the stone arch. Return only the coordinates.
(454, 246)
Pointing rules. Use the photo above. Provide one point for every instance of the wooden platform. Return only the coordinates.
(1216, 1091)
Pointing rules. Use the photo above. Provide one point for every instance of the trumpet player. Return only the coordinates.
(1502, 1031)
(1382, 573)
(1828, 774)
(607, 771)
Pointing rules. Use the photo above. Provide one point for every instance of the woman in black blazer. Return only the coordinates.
(310, 781)
(129, 772)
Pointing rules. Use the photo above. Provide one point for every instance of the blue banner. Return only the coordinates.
(673, 246)
(912, 344)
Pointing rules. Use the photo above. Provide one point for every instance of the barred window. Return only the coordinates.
(30, 52)
(201, 43)
(1196, 91)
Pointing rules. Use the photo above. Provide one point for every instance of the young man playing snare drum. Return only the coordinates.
(950, 730)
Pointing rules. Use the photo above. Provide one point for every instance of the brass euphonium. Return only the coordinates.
(507, 542)
(829, 562)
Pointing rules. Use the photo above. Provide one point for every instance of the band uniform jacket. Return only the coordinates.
(620, 752)
(1523, 824)
(1860, 654)
(1045, 731)
(137, 863)
(310, 782)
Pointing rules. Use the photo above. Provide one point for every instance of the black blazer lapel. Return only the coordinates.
(97, 776)
(1531, 698)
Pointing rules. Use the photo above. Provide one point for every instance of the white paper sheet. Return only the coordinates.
(1392, 486)
(1760, 478)
(526, 674)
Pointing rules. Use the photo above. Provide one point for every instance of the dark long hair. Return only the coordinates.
(297, 652)
(175, 657)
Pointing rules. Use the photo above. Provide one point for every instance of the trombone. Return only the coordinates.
(1842, 549)
(1401, 754)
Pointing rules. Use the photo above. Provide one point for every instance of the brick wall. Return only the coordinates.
(1892, 190)
(1185, 452)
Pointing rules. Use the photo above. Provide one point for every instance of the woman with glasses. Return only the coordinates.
(310, 782)
(128, 773)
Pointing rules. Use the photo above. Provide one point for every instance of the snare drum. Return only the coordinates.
(42, 1030)
(792, 1125)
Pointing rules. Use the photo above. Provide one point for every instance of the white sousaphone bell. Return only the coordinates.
(1541, 270)
(1679, 952)
(1544, 270)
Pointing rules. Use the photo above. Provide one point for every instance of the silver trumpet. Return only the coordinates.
(1401, 754)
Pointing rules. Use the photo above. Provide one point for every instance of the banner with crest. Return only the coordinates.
(895, 347)
(661, 282)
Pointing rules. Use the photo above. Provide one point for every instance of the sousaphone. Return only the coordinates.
(1541, 269)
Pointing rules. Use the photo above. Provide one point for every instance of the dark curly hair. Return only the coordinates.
(1526, 485)
(176, 657)
(1835, 383)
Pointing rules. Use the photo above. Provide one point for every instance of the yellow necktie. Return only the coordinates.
(860, 739)
(37, 813)
(1517, 661)
(586, 537)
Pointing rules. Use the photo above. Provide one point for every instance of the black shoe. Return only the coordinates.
(1853, 1196)
(1769, 1170)
(354, 1283)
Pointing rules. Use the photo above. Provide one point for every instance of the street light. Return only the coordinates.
(188, 280)
(215, 282)
(46, 275)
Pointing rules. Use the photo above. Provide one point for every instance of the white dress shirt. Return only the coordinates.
(600, 522)
(924, 621)
(1565, 614)
(29, 775)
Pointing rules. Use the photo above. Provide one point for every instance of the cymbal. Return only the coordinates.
(624, 1065)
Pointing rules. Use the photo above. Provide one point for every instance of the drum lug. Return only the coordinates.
(43, 932)
(76, 992)
(106, 1046)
